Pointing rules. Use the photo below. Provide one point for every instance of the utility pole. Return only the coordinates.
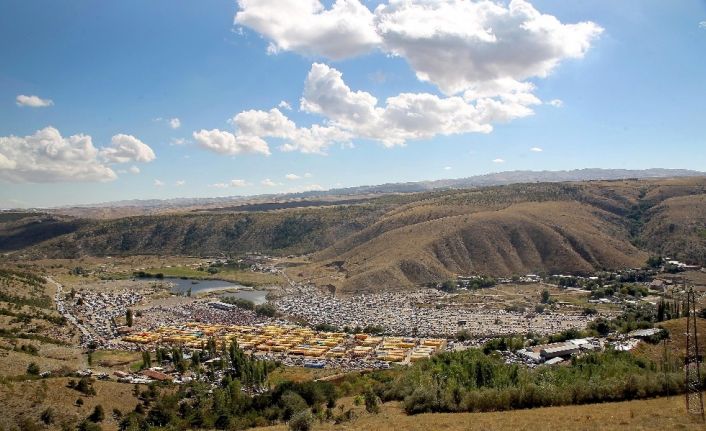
(692, 360)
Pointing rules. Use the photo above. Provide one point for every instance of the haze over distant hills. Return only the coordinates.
(153, 206)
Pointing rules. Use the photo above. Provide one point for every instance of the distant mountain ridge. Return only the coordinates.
(486, 180)
(516, 177)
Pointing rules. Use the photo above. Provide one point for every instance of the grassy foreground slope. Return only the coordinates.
(656, 414)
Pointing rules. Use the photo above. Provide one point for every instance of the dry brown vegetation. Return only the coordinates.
(676, 344)
(655, 414)
(26, 400)
(401, 240)
(545, 228)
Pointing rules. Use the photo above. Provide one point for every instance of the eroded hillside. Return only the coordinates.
(546, 228)
(396, 241)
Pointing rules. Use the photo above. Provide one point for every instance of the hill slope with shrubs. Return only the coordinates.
(400, 240)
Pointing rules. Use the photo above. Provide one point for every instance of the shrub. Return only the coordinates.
(33, 369)
(267, 310)
(372, 402)
(48, 416)
(98, 415)
(292, 403)
(302, 421)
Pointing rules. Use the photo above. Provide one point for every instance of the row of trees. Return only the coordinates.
(667, 310)
(473, 381)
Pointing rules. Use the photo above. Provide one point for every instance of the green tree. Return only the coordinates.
(33, 369)
(292, 403)
(146, 360)
(372, 402)
(128, 317)
(302, 421)
(654, 261)
(267, 310)
(85, 386)
(98, 414)
(463, 335)
(545, 296)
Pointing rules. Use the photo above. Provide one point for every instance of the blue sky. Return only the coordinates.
(630, 87)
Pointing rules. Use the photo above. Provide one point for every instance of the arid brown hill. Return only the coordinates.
(395, 241)
(517, 229)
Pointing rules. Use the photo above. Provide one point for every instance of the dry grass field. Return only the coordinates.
(26, 400)
(298, 374)
(676, 344)
(124, 267)
(14, 363)
(526, 296)
(654, 414)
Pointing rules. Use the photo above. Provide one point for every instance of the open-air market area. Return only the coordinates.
(161, 323)
(300, 323)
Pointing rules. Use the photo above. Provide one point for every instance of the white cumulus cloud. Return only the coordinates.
(180, 183)
(306, 26)
(134, 170)
(292, 177)
(557, 103)
(6, 163)
(174, 123)
(285, 105)
(127, 148)
(269, 183)
(33, 101)
(224, 142)
(536, 150)
(457, 45)
(274, 124)
(159, 183)
(702, 24)
(498, 160)
(46, 156)
(350, 114)
(405, 116)
(480, 54)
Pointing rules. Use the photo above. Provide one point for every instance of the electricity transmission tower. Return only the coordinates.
(694, 399)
